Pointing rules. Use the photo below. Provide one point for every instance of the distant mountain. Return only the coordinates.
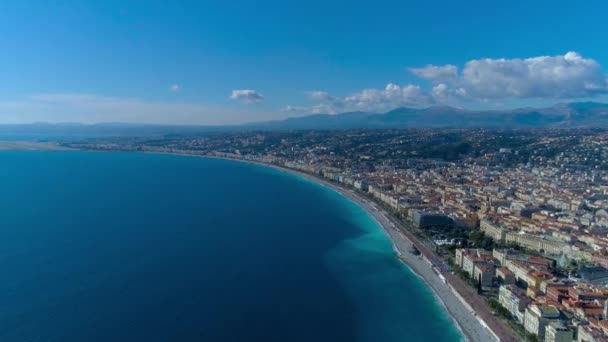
(324, 121)
(565, 115)
(76, 131)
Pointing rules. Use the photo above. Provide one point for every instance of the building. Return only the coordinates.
(536, 278)
(492, 230)
(514, 300)
(536, 243)
(361, 185)
(485, 272)
(458, 254)
(586, 334)
(502, 255)
(533, 292)
(506, 254)
(430, 219)
(540, 264)
(586, 295)
(595, 275)
(538, 316)
(557, 292)
(520, 270)
(557, 332)
(601, 260)
(505, 276)
(470, 260)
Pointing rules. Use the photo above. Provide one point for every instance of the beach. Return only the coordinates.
(470, 314)
(465, 318)
(30, 146)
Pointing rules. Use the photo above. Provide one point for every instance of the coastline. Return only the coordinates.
(467, 314)
(11, 145)
(472, 328)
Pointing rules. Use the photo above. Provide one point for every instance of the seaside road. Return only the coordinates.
(470, 312)
(471, 315)
(465, 317)
(480, 309)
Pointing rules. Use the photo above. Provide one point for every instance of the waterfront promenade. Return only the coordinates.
(474, 318)
(472, 315)
(468, 309)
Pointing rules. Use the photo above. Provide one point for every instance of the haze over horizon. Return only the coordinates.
(209, 63)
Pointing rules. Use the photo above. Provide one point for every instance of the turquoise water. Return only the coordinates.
(145, 247)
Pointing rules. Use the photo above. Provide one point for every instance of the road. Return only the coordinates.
(472, 314)
(469, 310)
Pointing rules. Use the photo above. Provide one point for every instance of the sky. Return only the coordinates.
(226, 62)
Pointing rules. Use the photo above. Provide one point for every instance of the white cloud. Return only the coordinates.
(320, 95)
(246, 96)
(323, 109)
(174, 88)
(567, 76)
(440, 90)
(436, 73)
(461, 92)
(389, 97)
(289, 108)
(331, 105)
(549, 77)
(570, 75)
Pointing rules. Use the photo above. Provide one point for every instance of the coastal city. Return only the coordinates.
(312, 171)
(514, 221)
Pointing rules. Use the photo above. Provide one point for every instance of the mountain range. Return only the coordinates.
(563, 115)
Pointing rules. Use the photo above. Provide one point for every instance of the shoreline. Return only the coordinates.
(462, 315)
(460, 311)
(396, 249)
(24, 145)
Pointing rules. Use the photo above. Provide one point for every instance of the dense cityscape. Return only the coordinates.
(519, 215)
(323, 171)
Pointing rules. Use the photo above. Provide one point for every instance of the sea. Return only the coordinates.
(150, 247)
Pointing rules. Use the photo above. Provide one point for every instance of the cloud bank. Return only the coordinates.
(391, 96)
(567, 76)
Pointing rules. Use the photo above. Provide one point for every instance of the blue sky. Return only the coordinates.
(218, 62)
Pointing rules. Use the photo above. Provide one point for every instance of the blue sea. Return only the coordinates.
(150, 247)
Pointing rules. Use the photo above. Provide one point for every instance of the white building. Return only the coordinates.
(537, 317)
(557, 332)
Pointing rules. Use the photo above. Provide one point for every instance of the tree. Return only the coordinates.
(531, 337)
(499, 309)
(480, 240)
